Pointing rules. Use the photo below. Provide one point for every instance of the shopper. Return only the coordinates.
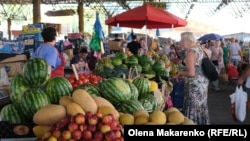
(195, 83)
(48, 52)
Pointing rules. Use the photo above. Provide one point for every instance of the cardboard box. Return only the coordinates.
(114, 45)
(14, 68)
(16, 58)
(69, 52)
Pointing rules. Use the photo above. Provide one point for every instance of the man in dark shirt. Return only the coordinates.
(134, 46)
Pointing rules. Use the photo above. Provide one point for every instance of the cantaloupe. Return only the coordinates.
(49, 114)
(65, 100)
(73, 109)
(175, 117)
(85, 100)
(100, 101)
(104, 110)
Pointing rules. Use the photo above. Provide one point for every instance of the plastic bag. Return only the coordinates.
(4, 79)
(238, 104)
(95, 42)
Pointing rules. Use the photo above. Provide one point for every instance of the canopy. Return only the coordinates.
(210, 36)
(146, 15)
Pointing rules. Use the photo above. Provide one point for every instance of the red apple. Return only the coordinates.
(118, 139)
(86, 135)
(77, 134)
(98, 135)
(112, 116)
(72, 126)
(118, 133)
(105, 128)
(113, 125)
(53, 128)
(82, 127)
(62, 139)
(99, 115)
(71, 140)
(46, 135)
(56, 133)
(91, 128)
(63, 123)
(107, 119)
(109, 136)
(66, 134)
(88, 114)
(80, 118)
(93, 120)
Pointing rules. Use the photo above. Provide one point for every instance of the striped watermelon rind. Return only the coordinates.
(33, 100)
(12, 113)
(115, 90)
(133, 89)
(57, 87)
(17, 88)
(90, 88)
(36, 72)
(129, 106)
(142, 84)
(149, 102)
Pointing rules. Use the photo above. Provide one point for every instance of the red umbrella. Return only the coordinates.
(148, 15)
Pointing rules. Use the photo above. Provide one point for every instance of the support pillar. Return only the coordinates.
(36, 11)
(9, 27)
(80, 11)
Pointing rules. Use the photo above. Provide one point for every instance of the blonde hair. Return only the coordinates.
(188, 36)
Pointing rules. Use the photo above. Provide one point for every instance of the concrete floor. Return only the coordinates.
(219, 106)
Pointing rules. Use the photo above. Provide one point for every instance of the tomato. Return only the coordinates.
(84, 80)
(75, 85)
(71, 80)
(79, 82)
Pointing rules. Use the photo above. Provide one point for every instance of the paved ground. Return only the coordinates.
(219, 106)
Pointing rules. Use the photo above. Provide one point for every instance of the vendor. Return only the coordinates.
(48, 51)
(81, 60)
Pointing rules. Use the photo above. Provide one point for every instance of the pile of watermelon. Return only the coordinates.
(128, 96)
(32, 90)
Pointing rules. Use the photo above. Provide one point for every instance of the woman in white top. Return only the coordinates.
(235, 52)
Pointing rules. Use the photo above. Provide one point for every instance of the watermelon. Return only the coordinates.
(163, 72)
(90, 88)
(131, 60)
(116, 61)
(36, 72)
(145, 67)
(57, 87)
(123, 66)
(12, 113)
(133, 89)
(115, 90)
(121, 55)
(33, 100)
(142, 84)
(149, 102)
(17, 88)
(129, 106)
(158, 65)
(145, 59)
(137, 67)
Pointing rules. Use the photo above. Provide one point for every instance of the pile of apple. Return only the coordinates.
(88, 127)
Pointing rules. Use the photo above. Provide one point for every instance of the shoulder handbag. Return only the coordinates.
(208, 68)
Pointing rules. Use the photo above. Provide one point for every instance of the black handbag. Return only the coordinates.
(208, 68)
